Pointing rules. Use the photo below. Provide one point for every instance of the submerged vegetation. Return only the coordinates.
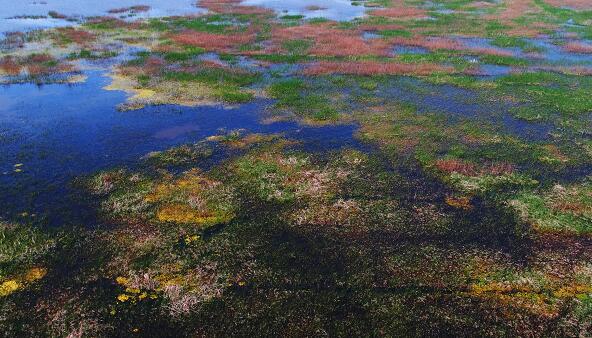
(463, 208)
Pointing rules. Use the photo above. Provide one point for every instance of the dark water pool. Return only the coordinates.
(50, 134)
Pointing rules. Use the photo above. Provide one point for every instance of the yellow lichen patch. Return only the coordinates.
(9, 287)
(190, 239)
(123, 298)
(35, 274)
(522, 296)
(459, 202)
(163, 92)
(126, 84)
(122, 280)
(191, 199)
(572, 291)
(183, 214)
(169, 280)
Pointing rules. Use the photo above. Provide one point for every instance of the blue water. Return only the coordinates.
(54, 133)
(339, 10)
(79, 9)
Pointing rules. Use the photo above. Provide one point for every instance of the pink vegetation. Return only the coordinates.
(578, 47)
(330, 41)
(76, 35)
(215, 42)
(576, 4)
(400, 12)
(374, 68)
(514, 9)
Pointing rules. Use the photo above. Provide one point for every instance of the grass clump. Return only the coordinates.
(565, 209)
(293, 95)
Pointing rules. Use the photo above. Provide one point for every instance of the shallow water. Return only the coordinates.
(340, 10)
(54, 133)
(456, 102)
(80, 9)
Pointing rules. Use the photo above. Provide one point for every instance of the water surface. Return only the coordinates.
(51, 134)
(16, 15)
(339, 10)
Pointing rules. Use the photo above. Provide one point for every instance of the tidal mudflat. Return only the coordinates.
(298, 168)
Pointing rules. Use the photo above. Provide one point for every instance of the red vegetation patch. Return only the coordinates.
(10, 66)
(153, 65)
(431, 43)
(233, 7)
(456, 166)
(400, 12)
(497, 169)
(578, 47)
(575, 4)
(515, 9)
(374, 68)
(574, 207)
(330, 41)
(34, 65)
(78, 36)
(215, 42)
(114, 22)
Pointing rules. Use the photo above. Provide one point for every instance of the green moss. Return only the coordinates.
(296, 47)
(215, 76)
(234, 95)
(292, 17)
(546, 95)
(539, 209)
(395, 33)
(21, 246)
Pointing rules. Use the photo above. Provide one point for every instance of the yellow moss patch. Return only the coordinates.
(164, 92)
(123, 298)
(35, 274)
(459, 202)
(9, 287)
(572, 291)
(183, 214)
